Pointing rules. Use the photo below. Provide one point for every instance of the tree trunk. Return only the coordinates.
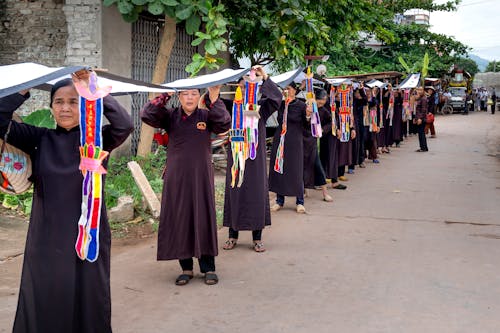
(166, 45)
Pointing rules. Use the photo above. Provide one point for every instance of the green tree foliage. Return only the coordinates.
(493, 66)
(202, 18)
(282, 31)
(408, 41)
(468, 65)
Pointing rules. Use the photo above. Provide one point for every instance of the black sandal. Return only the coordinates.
(211, 279)
(183, 279)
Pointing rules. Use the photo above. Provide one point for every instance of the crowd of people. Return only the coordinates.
(59, 292)
(380, 119)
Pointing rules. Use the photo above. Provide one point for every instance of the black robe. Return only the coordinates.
(291, 182)
(188, 226)
(328, 149)
(314, 175)
(59, 292)
(247, 207)
(358, 152)
(397, 120)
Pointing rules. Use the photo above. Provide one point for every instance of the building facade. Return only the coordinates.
(84, 32)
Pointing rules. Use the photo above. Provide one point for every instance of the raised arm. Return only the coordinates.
(270, 99)
(22, 136)
(120, 124)
(155, 114)
(219, 120)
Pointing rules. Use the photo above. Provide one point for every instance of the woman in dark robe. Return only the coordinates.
(328, 147)
(247, 207)
(344, 149)
(60, 292)
(388, 122)
(371, 138)
(188, 226)
(314, 175)
(397, 120)
(359, 103)
(291, 181)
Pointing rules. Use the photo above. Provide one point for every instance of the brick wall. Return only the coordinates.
(33, 31)
(52, 33)
(84, 43)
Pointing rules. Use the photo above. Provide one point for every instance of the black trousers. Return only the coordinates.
(319, 172)
(256, 234)
(421, 136)
(341, 170)
(207, 264)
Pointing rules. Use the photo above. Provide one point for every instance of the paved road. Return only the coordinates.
(413, 245)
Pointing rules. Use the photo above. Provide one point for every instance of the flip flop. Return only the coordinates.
(183, 279)
(211, 279)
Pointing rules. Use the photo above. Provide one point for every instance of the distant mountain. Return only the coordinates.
(481, 62)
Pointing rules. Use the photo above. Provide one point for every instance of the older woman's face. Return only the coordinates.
(65, 107)
(189, 100)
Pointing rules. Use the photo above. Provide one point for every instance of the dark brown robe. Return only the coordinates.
(310, 152)
(397, 120)
(291, 182)
(328, 144)
(59, 292)
(247, 207)
(188, 226)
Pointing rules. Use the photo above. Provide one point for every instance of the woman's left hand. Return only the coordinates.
(81, 77)
(353, 134)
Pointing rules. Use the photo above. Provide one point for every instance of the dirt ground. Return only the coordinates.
(411, 246)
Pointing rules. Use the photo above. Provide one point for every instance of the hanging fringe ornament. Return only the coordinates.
(345, 110)
(333, 110)
(237, 139)
(280, 153)
(406, 105)
(390, 109)
(252, 116)
(316, 130)
(381, 110)
(372, 117)
(91, 158)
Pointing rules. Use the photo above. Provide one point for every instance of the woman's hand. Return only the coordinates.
(353, 134)
(309, 111)
(259, 71)
(81, 77)
(213, 93)
(419, 121)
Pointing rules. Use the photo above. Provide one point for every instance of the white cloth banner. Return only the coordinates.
(410, 82)
(29, 75)
(208, 80)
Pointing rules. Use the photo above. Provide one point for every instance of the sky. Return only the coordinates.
(474, 24)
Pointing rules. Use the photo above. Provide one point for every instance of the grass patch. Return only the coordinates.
(119, 182)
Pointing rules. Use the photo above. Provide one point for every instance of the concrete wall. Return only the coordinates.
(117, 54)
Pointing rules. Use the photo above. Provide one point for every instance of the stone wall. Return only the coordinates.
(32, 31)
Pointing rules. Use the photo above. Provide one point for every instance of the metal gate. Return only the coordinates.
(146, 33)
